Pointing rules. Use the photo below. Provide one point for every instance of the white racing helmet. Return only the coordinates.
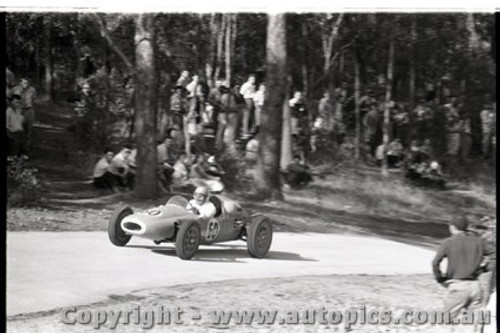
(202, 190)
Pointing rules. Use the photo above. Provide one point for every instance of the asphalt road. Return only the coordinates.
(49, 270)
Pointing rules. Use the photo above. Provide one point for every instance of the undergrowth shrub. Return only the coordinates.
(22, 184)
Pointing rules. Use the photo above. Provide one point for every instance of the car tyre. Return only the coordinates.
(187, 239)
(259, 237)
(115, 232)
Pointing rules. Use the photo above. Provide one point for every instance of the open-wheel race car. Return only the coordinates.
(174, 223)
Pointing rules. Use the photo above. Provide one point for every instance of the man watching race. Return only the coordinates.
(200, 205)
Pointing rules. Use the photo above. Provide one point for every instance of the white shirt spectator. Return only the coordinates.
(100, 168)
(191, 87)
(259, 97)
(119, 163)
(247, 90)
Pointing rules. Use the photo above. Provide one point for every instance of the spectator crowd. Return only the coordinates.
(204, 121)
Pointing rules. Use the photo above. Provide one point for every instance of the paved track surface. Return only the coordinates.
(49, 270)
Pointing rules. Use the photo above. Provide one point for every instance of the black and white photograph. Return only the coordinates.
(253, 169)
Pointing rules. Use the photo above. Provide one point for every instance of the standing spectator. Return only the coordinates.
(401, 121)
(488, 120)
(365, 102)
(178, 106)
(259, 103)
(15, 127)
(371, 123)
(340, 101)
(240, 109)
(120, 167)
(465, 255)
(223, 102)
(28, 96)
(214, 102)
(326, 111)
(298, 113)
(454, 125)
(184, 79)
(103, 179)
(198, 117)
(465, 136)
(247, 90)
(10, 82)
(192, 86)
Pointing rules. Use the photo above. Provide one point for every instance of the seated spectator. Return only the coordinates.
(416, 155)
(214, 168)
(199, 176)
(379, 154)
(252, 149)
(426, 148)
(121, 167)
(165, 161)
(394, 153)
(297, 174)
(103, 179)
(180, 175)
(15, 127)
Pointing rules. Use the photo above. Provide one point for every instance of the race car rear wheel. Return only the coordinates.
(259, 237)
(187, 240)
(115, 232)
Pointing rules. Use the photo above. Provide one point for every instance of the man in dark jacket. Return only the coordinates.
(465, 254)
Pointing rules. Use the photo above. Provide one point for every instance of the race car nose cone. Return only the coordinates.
(133, 226)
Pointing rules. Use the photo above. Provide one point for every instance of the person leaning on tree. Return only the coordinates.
(465, 254)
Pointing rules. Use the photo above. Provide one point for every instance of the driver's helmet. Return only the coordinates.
(434, 165)
(201, 194)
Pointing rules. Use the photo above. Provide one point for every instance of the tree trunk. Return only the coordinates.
(47, 59)
(220, 46)
(234, 30)
(229, 47)
(388, 90)
(286, 137)
(413, 75)
(211, 59)
(357, 86)
(305, 83)
(145, 122)
(268, 168)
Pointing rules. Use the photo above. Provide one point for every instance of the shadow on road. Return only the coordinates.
(231, 253)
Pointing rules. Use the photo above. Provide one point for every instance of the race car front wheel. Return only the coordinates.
(259, 237)
(187, 239)
(115, 232)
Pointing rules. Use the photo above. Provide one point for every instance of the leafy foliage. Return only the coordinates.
(22, 182)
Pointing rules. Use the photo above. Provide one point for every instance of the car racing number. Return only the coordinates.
(212, 229)
(153, 212)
